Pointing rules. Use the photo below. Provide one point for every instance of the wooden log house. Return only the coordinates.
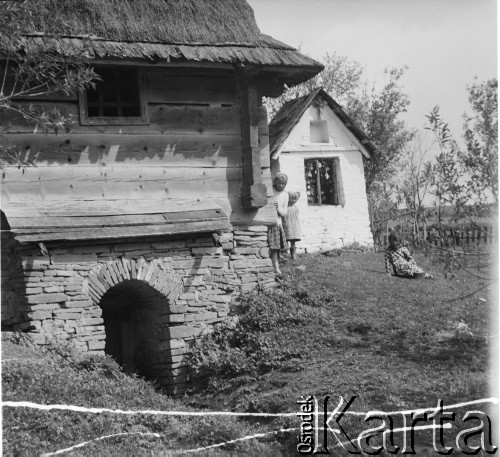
(138, 228)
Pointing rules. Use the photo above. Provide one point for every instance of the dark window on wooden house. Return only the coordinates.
(117, 99)
(323, 182)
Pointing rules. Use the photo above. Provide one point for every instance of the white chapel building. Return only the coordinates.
(317, 145)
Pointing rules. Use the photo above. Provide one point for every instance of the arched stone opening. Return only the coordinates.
(131, 311)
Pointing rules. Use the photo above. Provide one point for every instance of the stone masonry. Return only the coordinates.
(177, 289)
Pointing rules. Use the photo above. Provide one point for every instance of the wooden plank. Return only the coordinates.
(70, 183)
(220, 120)
(232, 207)
(240, 216)
(126, 150)
(127, 232)
(84, 183)
(262, 216)
(184, 89)
(164, 119)
(183, 174)
(105, 207)
(55, 223)
(55, 229)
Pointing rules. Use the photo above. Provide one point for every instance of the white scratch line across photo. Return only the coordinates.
(85, 443)
(236, 440)
(217, 413)
(81, 409)
(157, 435)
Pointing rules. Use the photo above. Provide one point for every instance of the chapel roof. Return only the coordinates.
(291, 112)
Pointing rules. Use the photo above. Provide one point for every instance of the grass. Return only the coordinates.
(62, 376)
(393, 343)
(338, 326)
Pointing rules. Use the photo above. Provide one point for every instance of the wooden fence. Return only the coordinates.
(453, 236)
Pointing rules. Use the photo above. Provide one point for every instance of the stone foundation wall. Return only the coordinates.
(184, 285)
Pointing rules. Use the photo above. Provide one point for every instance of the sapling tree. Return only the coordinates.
(413, 189)
(467, 178)
(462, 177)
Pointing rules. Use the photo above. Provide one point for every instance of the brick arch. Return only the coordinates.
(106, 275)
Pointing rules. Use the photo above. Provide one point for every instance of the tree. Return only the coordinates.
(460, 181)
(377, 112)
(341, 78)
(416, 169)
(480, 158)
(467, 178)
(28, 71)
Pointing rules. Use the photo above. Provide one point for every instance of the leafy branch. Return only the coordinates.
(31, 70)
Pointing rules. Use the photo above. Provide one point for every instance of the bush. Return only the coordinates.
(264, 339)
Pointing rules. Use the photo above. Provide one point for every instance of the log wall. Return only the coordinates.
(190, 151)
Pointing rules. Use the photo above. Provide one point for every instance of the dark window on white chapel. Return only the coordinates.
(323, 181)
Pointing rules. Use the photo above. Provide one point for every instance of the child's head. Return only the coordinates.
(293, 197)
(280, 181)
(394, 240)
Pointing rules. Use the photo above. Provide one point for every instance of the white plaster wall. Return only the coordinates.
(326, 227)
(339, 135)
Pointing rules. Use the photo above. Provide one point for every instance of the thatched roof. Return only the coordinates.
(152, 21)
(291, 112)
(215, 31)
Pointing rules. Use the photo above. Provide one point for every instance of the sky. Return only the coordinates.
(445, 43)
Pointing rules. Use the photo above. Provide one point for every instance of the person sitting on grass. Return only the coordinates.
(398, 260)
(276, 236)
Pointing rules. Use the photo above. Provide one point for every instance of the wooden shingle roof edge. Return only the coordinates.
(162, 32)
(291, 112)
(289, 64)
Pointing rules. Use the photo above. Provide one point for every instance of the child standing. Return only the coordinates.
(276, 236)
(291, 223)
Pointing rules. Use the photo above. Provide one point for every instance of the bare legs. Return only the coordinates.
(275, 261)
(293, 250)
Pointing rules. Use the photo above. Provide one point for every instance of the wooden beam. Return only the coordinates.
(104, 208)
(254, 192)
(165, 119)
(127, 232)
(60, 223)
(127, 150)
